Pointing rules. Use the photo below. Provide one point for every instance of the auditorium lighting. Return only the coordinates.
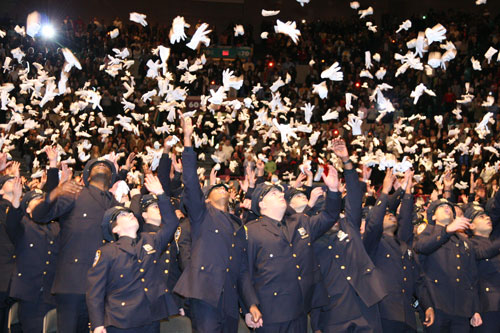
(48, 31)
(357, 84)
(270, 64)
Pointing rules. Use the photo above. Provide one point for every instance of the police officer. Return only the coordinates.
(36, 251)
(353, 282)
(388, 241)
(217, 273)
(283, 268)
(449, 265)
(80, 213)
(168, 261)
(488, 267)
(124, 291)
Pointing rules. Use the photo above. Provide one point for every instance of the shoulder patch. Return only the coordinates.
(421, 228)
(177, 234)
(97, 257)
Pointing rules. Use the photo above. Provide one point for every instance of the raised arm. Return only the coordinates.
(321, 223)
(13, 224)
(57, 203)
(169, 219)
(405, 216)
(194, 198)
(375, 222)
(164, 167)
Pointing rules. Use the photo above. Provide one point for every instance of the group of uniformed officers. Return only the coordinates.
(282, 258)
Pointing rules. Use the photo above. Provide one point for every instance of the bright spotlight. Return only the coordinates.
(48, 31)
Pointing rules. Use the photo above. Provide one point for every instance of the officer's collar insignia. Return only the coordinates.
(466, 245)
(96, 258)
(149, 249)
(303, 233)
(342, 235)
(409, 253)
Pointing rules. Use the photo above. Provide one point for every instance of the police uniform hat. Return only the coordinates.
(107, 223)
(260, 192)
(292, 191)
(148, 200)
(474, 211)
(435, 205)
(90, 164)
(207, 190)
(4, 179)
(29, 196)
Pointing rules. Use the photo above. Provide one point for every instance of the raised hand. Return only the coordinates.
(52, 155)
(66, 172)
(459, 224)
(476, 320)
(299, 181)
(153, 184)
(448, 180)
(389, 179)
(14, 169)
(332, 180)
(177, 164)
(17, 192)
(213, 176)
(68, 188)
(130, 161)
(316, 193)
(260, 168)
(187, 129)
(408, 181)
(250, 175)
(340, 149)
(244, 184)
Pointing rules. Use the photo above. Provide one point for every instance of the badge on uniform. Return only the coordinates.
(303, 233)
(342, 235)
(149, 249)
(96, 258)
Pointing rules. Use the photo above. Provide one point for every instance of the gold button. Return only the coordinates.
(404, 279)
(232, 245)
(14, 256)
(48, 252)
(76, 260)
(297, 266)
(227, 269)
(435, 281)
(230, 257)
(141, 270)
(458, 267)
(51, 242)
(84, 214)
(47, 262)
(202, 268)
(457, 245)
(123, 303)
(337, 256)
(404, 267)
(294, 255)
(168, 252)
(139, 260)
(388, 255)
(275, 294)
(308, 244)
(299, 278)
(143, 280)
(146, 289)
(342, 267)
(166, 290)
(31, 245)
(166, 271)
(44, 273)
(216, 231)
(271, 255)
(487, 289)
(458, 255)
(348, 278)
(103, 241)
(154, 261)
(19, 274)
(368, 270)
(403, 291)
(458, 280)
(234, 233)
(329, 247)
(121, 276)
(167, 261)
(291, 244)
